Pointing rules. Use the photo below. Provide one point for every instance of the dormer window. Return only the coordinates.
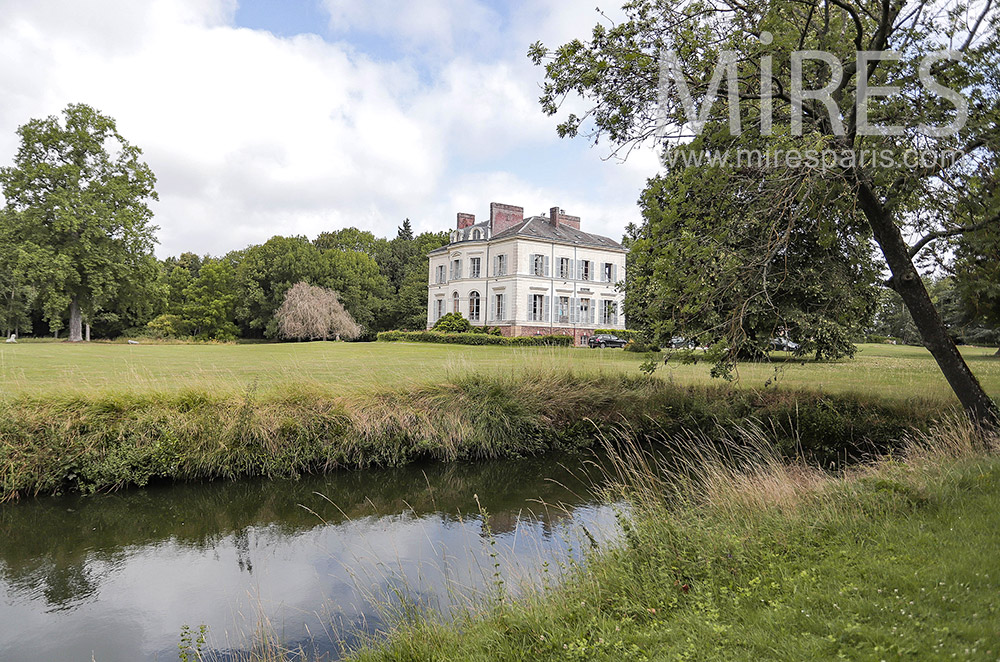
(476, 234)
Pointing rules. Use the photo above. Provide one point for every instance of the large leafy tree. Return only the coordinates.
(78, 198)
(720, 271)
(875, 184)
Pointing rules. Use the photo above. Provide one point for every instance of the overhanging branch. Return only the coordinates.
(941, 234)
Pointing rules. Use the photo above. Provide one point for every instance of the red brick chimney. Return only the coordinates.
(558, 218)
(465, 220)
(504, 216)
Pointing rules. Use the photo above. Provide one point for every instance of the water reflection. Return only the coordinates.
(116, 576)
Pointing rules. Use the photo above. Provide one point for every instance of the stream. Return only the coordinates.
(317, 562)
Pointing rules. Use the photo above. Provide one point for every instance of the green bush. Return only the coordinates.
(452, 323)
(474, 338)
(640, 346)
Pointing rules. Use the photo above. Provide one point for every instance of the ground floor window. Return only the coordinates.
(474, 310)
(609, 312)
(498, 307)
(438, 309)
(537, 308)
(562, 312)
(455, 303)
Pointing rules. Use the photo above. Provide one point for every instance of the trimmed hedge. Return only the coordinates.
(624, 334)
(473, 338)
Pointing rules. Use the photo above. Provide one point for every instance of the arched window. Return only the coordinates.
(454, 303)
(474, 306)
(476, 234)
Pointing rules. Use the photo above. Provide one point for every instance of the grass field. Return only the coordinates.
(55, 368)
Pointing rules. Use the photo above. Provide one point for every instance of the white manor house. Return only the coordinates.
(528, 276)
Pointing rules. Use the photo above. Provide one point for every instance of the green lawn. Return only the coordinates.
(41, 368)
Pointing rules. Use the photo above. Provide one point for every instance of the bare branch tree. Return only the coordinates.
(315, 313)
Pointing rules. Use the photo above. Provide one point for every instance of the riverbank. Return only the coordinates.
(108, 441)
(775, 561)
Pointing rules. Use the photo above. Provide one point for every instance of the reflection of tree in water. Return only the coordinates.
(56, 546)
(63, 586)
(241, 543)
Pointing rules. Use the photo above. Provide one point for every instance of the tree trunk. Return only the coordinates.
(75, 322)
(907, 282)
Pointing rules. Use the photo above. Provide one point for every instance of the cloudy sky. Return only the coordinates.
(264, 117)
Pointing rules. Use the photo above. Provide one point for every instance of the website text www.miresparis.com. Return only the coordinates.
(833, 160)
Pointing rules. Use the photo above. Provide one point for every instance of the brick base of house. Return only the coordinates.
(580, 336)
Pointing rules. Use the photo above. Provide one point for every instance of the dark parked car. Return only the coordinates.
(603, 340)
(784, 344)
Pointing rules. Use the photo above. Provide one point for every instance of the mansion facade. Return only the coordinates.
(528, 276)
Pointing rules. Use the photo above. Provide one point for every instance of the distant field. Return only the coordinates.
(45, 368)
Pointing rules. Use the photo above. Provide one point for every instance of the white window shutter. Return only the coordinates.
(531, 312)
(547, 265)
(614, 273)
(546, 301)
(579, 269)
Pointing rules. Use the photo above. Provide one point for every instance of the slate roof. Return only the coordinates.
(539, 227)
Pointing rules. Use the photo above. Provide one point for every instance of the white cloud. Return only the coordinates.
(252, 135)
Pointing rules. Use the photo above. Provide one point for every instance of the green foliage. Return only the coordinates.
(459, 338)
(17, 294)
(211, 302)
(168, 326)
(452, 323)
(710, 265)
(265, 273)
(78, 212)
(723, 223)
(405, 267)
(192, 643)
(640, 346)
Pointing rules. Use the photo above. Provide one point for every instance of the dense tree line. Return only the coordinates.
(382, 283)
